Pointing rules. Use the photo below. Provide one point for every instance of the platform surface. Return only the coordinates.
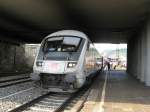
(123, 93)
(126, 94)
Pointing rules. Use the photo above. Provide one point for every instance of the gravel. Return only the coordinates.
(15, 88)
(19, 99)
(16, 95)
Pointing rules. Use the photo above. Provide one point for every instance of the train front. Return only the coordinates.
(57, 63)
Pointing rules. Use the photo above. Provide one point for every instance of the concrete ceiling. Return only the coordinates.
(103, 20)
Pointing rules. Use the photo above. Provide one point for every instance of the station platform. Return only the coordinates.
(116, 91)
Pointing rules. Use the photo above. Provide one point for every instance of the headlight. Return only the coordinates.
(39, 63)
(71, 64)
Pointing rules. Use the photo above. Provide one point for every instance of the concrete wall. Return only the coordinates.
(139, 54)
(16, 57)
(30, 53)
(6, 59)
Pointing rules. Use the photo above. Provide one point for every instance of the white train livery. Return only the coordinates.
(65, 59)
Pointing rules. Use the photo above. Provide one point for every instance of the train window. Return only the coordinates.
(62, 44)
(88, 46)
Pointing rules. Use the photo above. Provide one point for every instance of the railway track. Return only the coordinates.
(51, 102)
(55, 101)
(13, 81)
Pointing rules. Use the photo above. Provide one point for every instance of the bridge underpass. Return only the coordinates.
(104, 22)
(112, 21)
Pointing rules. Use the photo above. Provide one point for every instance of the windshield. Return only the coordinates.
(62, 44)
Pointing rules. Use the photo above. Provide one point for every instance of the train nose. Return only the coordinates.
(54, 67)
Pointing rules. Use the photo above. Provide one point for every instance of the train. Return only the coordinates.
(65, 60)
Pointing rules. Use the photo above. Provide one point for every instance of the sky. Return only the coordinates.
(104, 46)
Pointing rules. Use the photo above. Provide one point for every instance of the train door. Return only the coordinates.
(88, 59)
(92, 57)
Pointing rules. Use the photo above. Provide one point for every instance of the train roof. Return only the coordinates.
(69, 32)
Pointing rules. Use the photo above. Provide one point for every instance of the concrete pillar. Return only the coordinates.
(143, 55)
(134, 57)
(139, 58)
(128, 58)
(147, 76)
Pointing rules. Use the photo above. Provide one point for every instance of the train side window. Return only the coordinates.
(88, 46)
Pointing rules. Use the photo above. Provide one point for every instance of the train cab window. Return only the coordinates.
(68, 48)
(62, 44)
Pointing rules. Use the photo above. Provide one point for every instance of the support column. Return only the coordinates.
(147, 76)
(132, 59)
(139, 58)
(134, 56)
(128, 57)
(143, 55)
